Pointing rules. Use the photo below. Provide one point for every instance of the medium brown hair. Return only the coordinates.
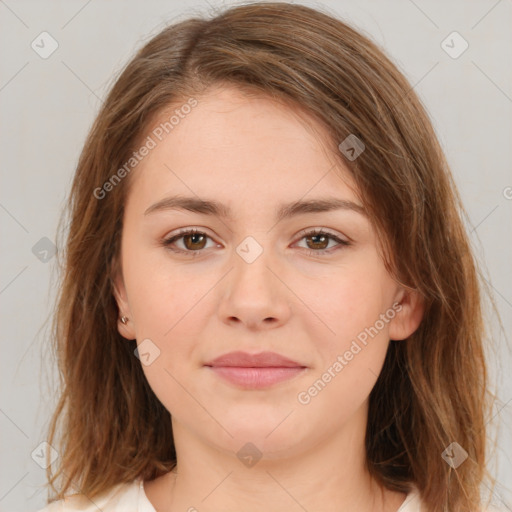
(433, 386)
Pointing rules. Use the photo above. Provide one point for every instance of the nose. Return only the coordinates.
(253, 294)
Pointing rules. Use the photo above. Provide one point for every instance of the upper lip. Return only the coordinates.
(261, 360)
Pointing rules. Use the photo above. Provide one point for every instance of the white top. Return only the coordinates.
(131, 497)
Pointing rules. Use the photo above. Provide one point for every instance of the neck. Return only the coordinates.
(330, 476)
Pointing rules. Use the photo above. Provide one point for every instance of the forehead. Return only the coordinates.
(237, 145)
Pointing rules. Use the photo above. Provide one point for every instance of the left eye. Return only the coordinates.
(319, 240)
(195, 240)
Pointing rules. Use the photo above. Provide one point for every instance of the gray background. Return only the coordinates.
(47, 106)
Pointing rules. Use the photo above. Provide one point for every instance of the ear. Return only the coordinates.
(125, 330)
(409, 313)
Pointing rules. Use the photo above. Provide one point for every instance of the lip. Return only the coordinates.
(255, 371)
(260, 360)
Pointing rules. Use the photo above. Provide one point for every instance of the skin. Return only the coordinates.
(253, 154)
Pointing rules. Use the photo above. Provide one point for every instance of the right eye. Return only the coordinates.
(193, 239)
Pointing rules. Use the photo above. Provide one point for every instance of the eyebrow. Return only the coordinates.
(285, 211)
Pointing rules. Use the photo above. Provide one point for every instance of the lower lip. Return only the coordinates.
(256, 378)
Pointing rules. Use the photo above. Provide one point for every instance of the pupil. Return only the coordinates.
(316, 237)
(193, 237)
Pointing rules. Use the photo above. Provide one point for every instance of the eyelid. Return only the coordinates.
(172, 238)
(301, 233)
(337, 238)
(168, 240)
(327, 231)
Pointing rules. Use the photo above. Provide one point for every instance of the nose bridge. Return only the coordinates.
(252, 261)
(253, 293)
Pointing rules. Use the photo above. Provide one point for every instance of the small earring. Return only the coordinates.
(124, 319)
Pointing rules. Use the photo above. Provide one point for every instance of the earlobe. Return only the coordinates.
(408, 316)
(124, 322)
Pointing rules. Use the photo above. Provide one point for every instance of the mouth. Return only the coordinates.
(255, 371)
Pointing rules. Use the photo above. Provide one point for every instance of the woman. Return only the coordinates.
(269, 299)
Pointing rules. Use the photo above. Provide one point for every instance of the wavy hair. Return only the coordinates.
(108, 425)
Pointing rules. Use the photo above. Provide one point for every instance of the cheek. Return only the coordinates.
(351, 357)
(166, 304)
(352, 339)
(352, 301)
(162, 295)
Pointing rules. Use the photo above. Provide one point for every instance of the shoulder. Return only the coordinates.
(121, 497)
(414, 503)
(495, 508)
(55, 506)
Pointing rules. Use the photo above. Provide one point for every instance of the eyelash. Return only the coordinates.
(315, 232)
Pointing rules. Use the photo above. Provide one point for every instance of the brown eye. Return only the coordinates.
(317, 242)
(320, 241)
(193, 240)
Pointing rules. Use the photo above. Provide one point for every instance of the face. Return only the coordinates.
(309, 284)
